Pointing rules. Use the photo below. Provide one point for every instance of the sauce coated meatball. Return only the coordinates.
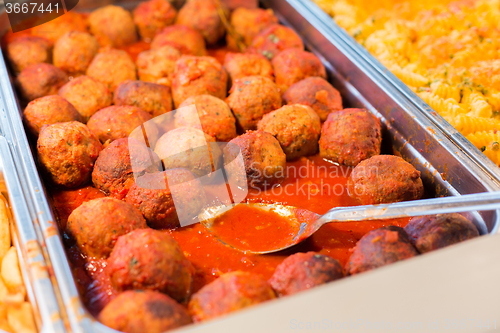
(48, 110)
(385, 179)
(40, 80)
(67, 152)
(53, 30)
(428, 233)
(212, 115)
(296, 127)
(114, 172)
(274, 39)
(74, 51)
(350, 136)
(198, 76)
(239, 65)
(202, 16)
(158, 65)
(302, 271)
(294, 65)
(143, 311)
(150, 260)
(28, 50)
(97, 224)
(231, 292)
(380, 247)
(317, 93)
(185, 39)
(87, 95)
(112, 67)
(248, 23)
(167, 198)
(250, 98)
(112, 26)
(152, 16)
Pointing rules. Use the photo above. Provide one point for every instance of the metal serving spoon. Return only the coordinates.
(307, 222)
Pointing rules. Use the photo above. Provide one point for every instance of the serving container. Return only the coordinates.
(446, 170)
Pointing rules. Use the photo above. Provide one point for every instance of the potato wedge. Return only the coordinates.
(21, 319)
(4, 227)
(3, 290)
(11, 273)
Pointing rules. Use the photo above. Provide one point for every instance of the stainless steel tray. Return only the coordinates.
(445, 169)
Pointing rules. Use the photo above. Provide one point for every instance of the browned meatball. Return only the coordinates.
(112, 26)
(112, 67)
(74, 51)
(212, 115)
(380, 247)
(185, 39)
(302, 271)
(143, 311)
(317, 93)
(167, 198)
(428, 233)
(350, 136)
(40, 80)
(294, 65)
(87, 95)
(296, 127)
(116, 122)
(239, 65)
(48, 110)
(275, 38)
(54, 29)
(28, 50)
(152, 16)
(250, 98)
(385, 179)
(151, 260)
(203, 16)
(231, 292)
(158, 65)
(248, 23)
(96, 225)
(264, 160)
(67, 152)
(114, 171)
(198, 76)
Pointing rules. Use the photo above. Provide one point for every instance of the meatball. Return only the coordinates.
(116, 122)
(74, 51)
(250, 98)
(87, 95)
(248, 23)
(212, 115)
(152, 16)
(198, 76)
(53, 30)
(28, 50)
(48, 110)
(350, 136)
(97, 224)
(317, 93)
(302, 271)
(67, 152)
(158, 65)
(114, 172)
(385, 179)
(190, 148)
(112, 26)
(151, 260)
(112, 67)
(378, 248)
(203, 16)
(143, 311)
(231, 292)
(167, 199)
(239, 65)
(296, 127)
(428, 233)
(40, 80)
(264, 160)
(294, 65)
(185, 39)
(275, 38)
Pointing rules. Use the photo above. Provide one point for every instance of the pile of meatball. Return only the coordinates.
(269, 100)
